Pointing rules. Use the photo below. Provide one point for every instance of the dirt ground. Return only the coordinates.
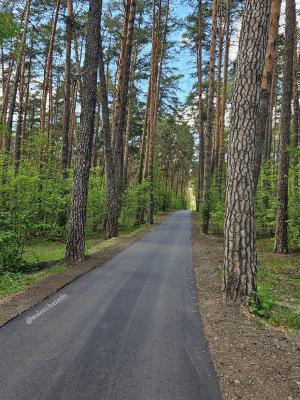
(253, 362)
(15, 304)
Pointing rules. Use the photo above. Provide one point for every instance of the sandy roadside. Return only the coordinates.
(253, 362)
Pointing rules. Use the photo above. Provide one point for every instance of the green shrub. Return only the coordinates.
(10, 253)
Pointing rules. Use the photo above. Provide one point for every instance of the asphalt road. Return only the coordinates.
(128, 330)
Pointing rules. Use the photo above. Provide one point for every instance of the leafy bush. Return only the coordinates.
(10, 253)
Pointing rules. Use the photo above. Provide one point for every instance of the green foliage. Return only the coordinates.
(8, 27)
(96, 208)
(266, 301)
(12, 282)
(278, 283)
(10, 253)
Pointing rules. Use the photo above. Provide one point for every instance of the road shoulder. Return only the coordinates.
(253, 362)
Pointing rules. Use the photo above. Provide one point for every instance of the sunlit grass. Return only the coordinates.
(16, 282)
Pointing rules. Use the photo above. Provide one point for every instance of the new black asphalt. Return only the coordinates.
(128, 330)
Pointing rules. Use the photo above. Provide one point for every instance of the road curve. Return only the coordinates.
(129, 330)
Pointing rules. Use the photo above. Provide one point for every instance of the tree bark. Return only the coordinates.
(218, 114)
(281, 232)
(224, 100)
(266, 85)
(48, 68)
(77, 220)
(240, 235)
(200, 107)
(209, 123)
(296, 120)
(12, 103)
(67, 90)
(157, 57)
(122, 91)
(115, 170)
(18, 139)
(111, 223)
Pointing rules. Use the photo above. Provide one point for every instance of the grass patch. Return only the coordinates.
(42, 250)
(16, 282)
(278, 286)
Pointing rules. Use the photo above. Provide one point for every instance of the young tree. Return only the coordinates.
(240, 235)
(77, 219)
(281, 233)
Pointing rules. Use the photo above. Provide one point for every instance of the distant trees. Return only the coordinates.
(118, 126)
(281, 233)
(78, 142)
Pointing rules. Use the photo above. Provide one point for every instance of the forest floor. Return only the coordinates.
(21, 292)
(253, 360)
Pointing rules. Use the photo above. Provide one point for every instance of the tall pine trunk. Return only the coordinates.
(224, 101)
(48, 70)
(200, 107)
(67, 90)
(209, 123)
(240, 235)
(266, 85)
(77, 220)
(119, 119)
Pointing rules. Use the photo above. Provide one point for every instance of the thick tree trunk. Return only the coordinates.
(77, 221)
(209, 123)
(240, 237)
(281, 233)
(67, 90)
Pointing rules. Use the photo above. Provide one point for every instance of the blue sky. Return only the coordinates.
(184, 60)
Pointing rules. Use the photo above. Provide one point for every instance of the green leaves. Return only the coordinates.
(8, 27)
